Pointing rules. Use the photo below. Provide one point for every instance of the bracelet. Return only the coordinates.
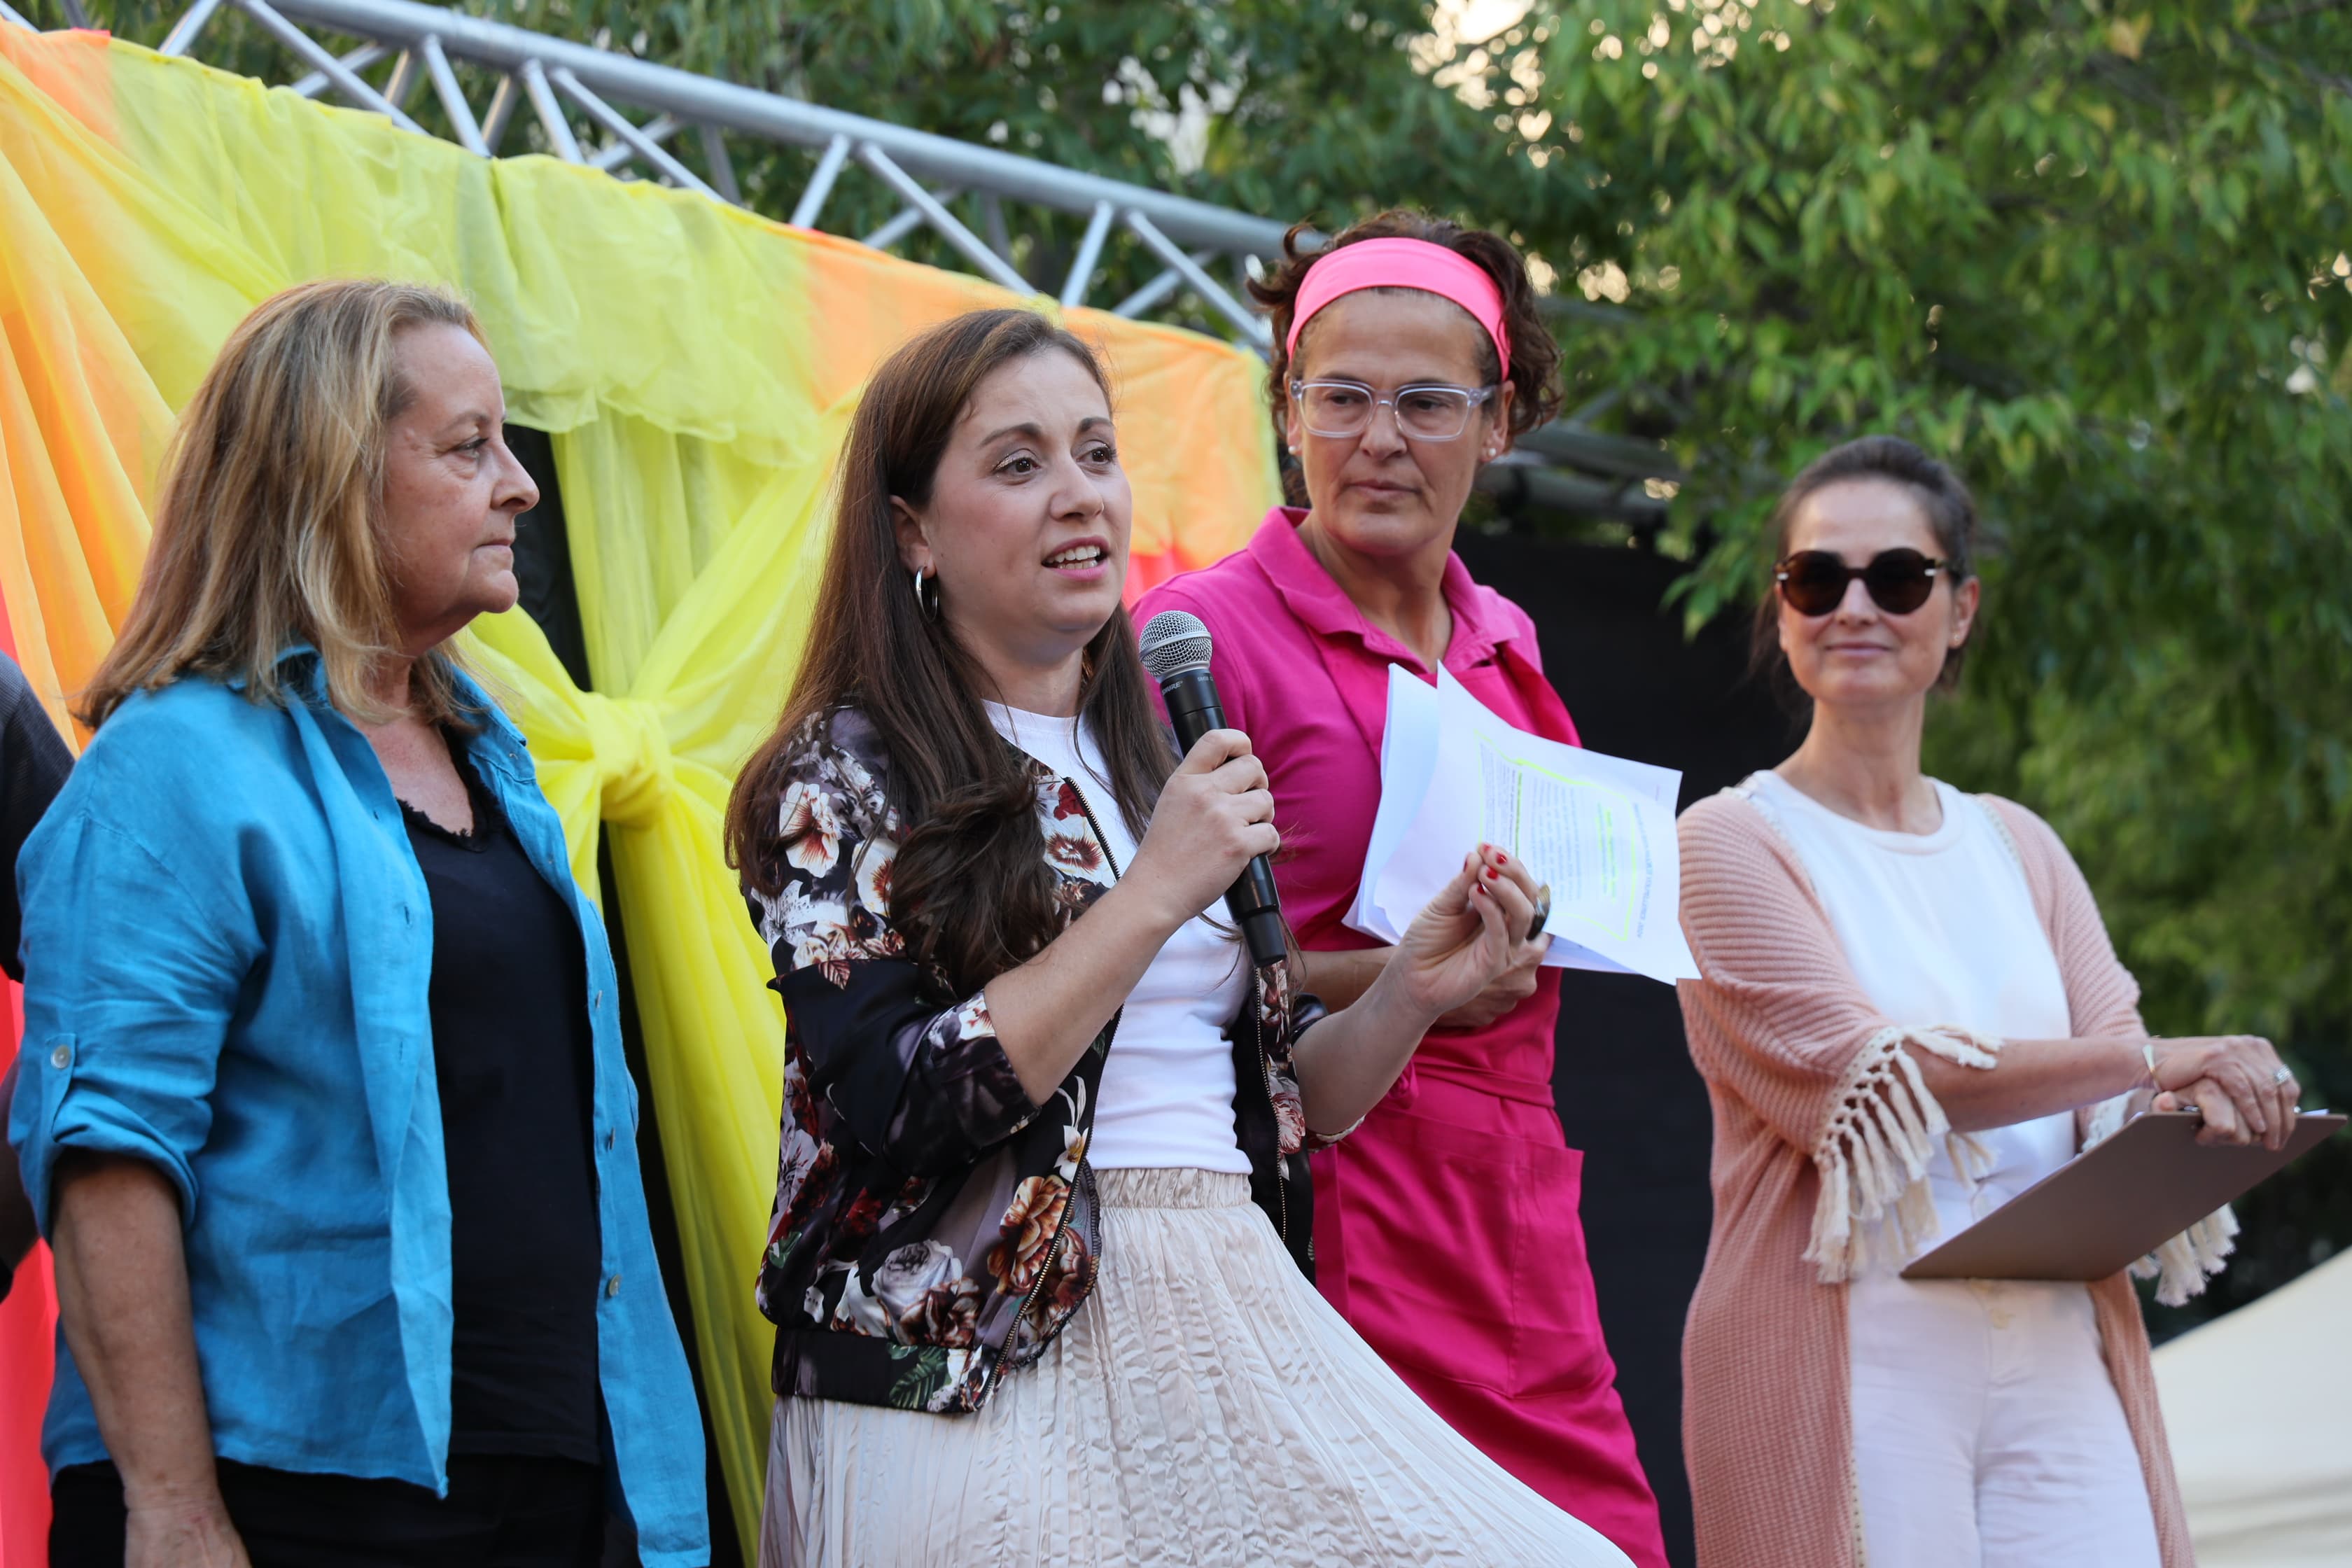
(2147, 1054)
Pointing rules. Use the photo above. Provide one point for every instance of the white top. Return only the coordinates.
(1167, 1095)
(1985, 1425)
(1940, 928)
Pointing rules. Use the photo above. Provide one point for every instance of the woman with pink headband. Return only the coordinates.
(1408, 355)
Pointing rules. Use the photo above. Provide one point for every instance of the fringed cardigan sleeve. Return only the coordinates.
(2104, 1001)
(1801, 1044)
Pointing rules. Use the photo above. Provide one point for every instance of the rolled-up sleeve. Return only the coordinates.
(128, 987)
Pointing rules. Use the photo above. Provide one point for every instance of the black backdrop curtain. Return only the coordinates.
(1627, 1093)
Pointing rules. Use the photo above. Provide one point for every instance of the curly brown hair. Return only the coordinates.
(1535, 358)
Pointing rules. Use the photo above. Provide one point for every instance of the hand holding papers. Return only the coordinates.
(1598, 830)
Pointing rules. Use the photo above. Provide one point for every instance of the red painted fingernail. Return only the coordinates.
(1501, 859)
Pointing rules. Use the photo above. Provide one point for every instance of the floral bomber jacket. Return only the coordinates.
(932, 1225)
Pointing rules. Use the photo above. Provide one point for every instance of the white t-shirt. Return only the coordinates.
(1940, 928)
(1167, 1096)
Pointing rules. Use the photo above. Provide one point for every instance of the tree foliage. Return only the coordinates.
(2095, 255)
(2092, 252)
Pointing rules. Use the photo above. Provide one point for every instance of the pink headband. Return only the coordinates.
(1399, 263)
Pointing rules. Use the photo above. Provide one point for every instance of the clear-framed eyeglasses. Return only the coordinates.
(1426, 411)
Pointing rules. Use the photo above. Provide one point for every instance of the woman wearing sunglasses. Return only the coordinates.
(1408, 354)
(1910, 1013)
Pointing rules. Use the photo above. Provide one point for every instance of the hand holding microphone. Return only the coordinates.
(1175, 649)
(1214, 818)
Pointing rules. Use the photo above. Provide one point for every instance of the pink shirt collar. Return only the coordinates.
(1324, 607)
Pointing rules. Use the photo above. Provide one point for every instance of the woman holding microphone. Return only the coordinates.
(1408, 353)
(1910, 1013)
(1026, 1309)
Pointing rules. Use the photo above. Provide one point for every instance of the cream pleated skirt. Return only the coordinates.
(1204, 1407)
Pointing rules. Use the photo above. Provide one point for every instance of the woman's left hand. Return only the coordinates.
(1472, 932)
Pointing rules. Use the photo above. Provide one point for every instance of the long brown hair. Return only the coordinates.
(970, 892)
(270, 526)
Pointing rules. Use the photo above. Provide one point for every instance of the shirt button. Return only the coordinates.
(612, 1286)
(608, 1138)
(599, 1003)
(61, 1057)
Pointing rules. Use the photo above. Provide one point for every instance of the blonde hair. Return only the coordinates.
(270, 529)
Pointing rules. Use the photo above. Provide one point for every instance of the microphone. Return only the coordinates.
(1175, 648)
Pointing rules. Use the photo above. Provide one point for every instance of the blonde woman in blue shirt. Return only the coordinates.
(322, 1104)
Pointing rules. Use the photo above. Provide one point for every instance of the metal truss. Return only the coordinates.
(612, 111)
(579, 95)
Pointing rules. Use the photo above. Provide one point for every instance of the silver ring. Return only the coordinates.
(2281, 1076)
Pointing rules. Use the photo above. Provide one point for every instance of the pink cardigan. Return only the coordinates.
(1821, 1125)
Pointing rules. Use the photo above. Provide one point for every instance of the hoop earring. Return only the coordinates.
(928, 608)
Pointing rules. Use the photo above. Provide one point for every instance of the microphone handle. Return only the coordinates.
(1193, 709)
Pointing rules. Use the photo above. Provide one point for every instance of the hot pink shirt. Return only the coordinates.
(1305, 675)
(1523, 1371)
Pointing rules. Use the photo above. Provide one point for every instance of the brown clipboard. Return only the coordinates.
(2119, 1202)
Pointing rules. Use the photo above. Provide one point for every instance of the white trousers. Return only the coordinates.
(1987, 1433)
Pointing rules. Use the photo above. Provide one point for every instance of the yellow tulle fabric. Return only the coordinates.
(696, 365)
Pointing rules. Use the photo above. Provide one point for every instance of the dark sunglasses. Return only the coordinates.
(1813, 581)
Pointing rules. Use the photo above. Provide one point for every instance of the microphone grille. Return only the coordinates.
(1173, 643)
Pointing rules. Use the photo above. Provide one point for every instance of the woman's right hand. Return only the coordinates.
(2234, 1081)
(1503, 994)
(1214, 814)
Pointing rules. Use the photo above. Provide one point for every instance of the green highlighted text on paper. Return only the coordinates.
(1598, 830)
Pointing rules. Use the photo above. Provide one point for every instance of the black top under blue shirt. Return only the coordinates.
(511, 1051)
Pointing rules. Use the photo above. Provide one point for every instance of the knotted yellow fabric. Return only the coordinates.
(695, 364)
(629, 749)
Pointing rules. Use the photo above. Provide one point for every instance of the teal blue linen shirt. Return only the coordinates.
(228, 946)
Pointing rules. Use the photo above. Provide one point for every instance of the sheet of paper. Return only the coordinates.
(1597, 829)
(1408, 753)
